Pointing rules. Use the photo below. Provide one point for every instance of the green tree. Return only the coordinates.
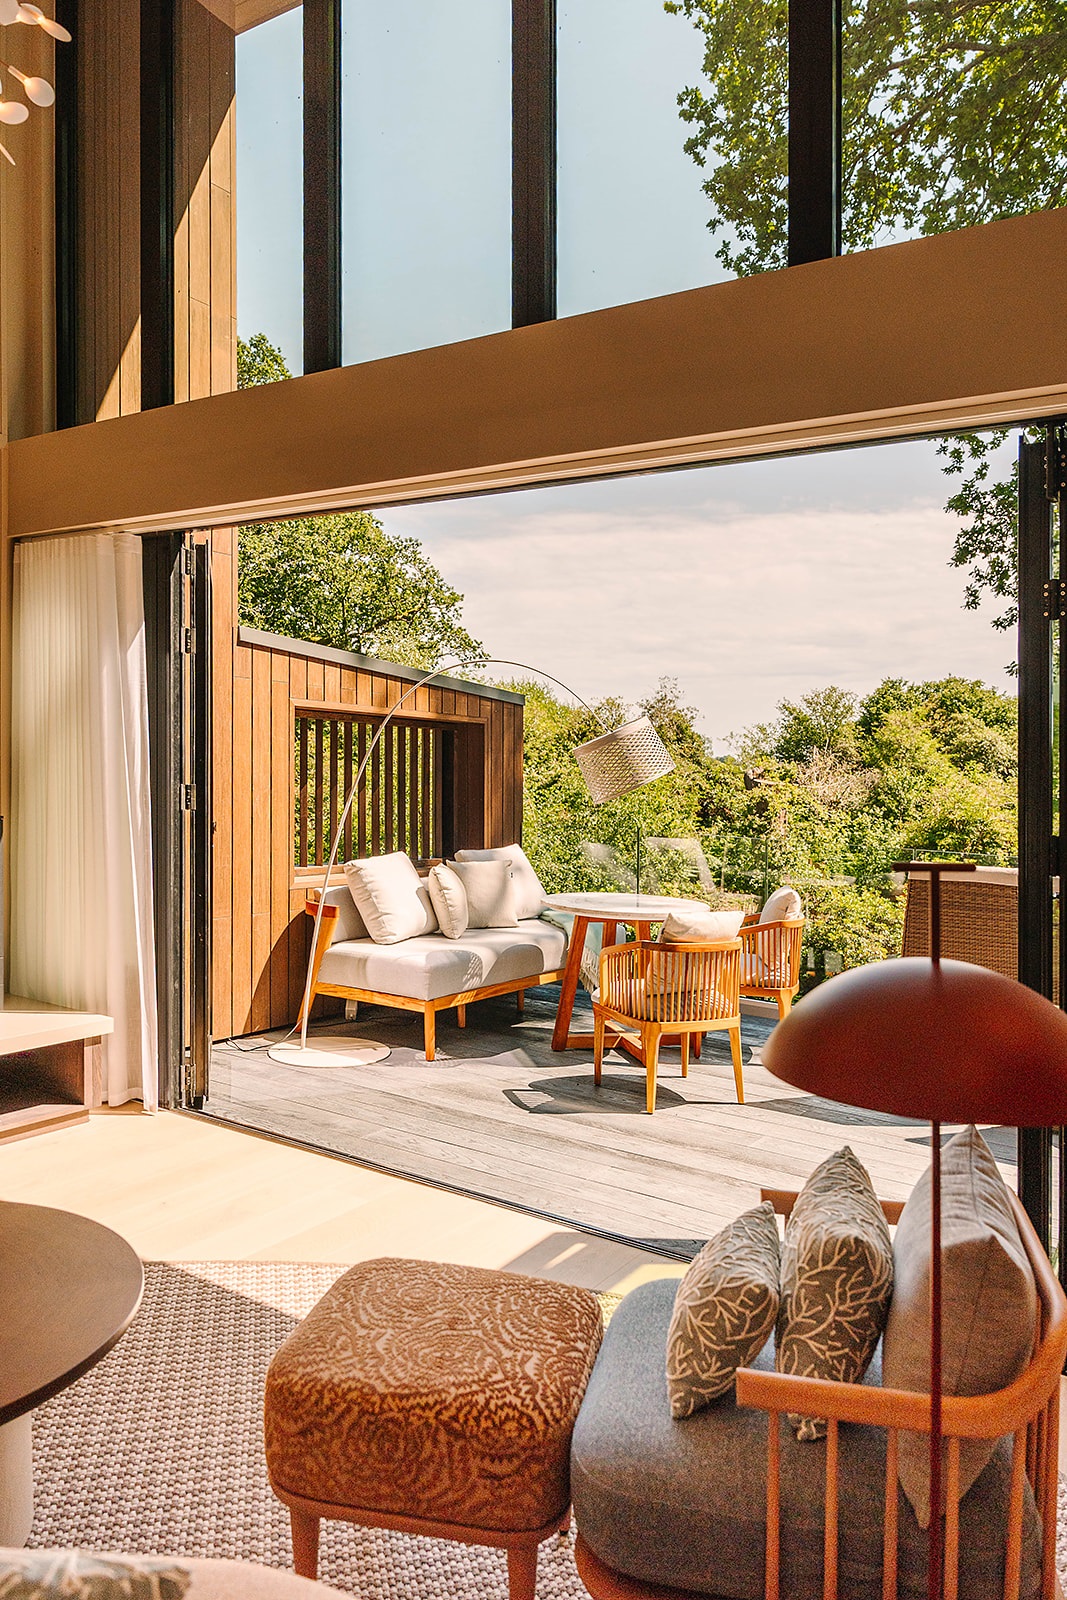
(342, 580)
(953, 114)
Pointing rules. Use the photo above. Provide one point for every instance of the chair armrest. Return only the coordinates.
(311, 906)
(783, 1201)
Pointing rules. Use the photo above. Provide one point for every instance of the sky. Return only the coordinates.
(748, 583)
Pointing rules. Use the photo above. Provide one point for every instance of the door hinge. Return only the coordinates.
(187, 797)
(1054, 596)
(188, 641)
(187, 560)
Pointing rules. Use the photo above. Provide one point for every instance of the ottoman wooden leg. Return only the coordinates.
(522, 1573)
(305, 1543)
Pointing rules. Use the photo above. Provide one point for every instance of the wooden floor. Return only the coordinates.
(183, 1189)
(499, 1114)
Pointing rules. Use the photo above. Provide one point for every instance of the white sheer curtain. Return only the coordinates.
(80, 853)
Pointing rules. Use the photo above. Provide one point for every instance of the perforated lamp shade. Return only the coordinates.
(943, 1041)
(627, 758)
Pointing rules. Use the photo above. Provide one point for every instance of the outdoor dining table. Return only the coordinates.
(637, 911)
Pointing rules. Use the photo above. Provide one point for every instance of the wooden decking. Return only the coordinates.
(501, 1116)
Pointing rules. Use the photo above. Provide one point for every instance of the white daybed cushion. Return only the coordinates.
(349, 924)
(490, 892)
(530, 899)
(449, 901)
(429, 967)
(783, 903)
(700, 927)
(391, 898)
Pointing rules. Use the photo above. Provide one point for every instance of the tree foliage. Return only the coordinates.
(343, 580)
(952, 115)
(845, 788)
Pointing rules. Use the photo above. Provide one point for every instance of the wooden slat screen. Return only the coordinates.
(400, 805)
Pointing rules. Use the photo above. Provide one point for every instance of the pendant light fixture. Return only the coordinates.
(36, 90)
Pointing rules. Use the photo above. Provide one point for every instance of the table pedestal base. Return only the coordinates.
(16, 1481)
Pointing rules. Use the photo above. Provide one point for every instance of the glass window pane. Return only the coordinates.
(671, 146)
(426, 173)
(953, 115)
(270, 185)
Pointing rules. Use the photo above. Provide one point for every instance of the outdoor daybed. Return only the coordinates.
(429, 971)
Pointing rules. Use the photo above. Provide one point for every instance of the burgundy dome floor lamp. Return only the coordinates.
(616, 761)
(939, 1040)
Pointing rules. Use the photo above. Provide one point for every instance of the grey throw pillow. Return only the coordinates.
(988, 1297)
(837, 1279)
(77, 1575)
(724, 1310)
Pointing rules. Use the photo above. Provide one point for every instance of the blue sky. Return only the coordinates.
(747, 583)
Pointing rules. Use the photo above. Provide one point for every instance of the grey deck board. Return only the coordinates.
(500, 1115)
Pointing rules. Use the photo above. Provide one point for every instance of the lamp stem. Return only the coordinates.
(934, 1568)
(375, 740)
(639, 858)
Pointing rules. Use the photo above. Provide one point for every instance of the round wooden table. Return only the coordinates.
(637, 911)
(69, 1288)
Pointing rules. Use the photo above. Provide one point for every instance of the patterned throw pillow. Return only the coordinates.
(988, 1298)
(837, 1279)
(724, 1310)
(77, 1575)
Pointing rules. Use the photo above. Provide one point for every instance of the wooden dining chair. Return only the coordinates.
(675, 991)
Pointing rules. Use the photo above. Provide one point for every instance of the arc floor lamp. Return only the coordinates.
(612, 764)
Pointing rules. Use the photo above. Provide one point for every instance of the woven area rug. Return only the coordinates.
(160, 1447)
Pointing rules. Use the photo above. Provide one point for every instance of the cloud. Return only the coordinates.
(743, 606)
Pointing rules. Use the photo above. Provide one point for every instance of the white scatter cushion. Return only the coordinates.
(724, 1310)
(449, 901)
(530, 896)
(783, 903)
(392, 899)
(988, 1296)
(490, 893)
(77, 1575)
(349, 923)
(700, 927)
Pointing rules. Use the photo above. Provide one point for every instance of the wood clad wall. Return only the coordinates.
(109, 261)
(109, 210)
(260, 933)
(205, 242)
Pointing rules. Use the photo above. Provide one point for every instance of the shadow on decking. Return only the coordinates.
(502, 1116)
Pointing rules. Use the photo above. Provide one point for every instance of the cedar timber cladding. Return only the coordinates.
(456, 763)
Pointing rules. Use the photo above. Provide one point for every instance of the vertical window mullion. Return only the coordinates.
(533, 161)
(814, 130)
(157, 203)
(322, 184)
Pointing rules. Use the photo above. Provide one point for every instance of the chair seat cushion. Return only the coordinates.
(422, 1390)
(683, 1503)
(430, 966)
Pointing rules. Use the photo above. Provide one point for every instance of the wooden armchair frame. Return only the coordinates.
(428, 1008)
(685, 990)
(771, 950)
(1028, 1409)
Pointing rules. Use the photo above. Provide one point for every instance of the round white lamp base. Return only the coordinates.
(329, 1050)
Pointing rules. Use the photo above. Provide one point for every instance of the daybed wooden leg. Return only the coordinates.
(785, 1001)
(698, 1040)
(522, 1573)
(429, 1032)
(651, 1053)
(461, 1016)
(685, 1055)
(735, 1051)
(598, 1046)
(565, 1525)
(520, 1001)
(305, 1543)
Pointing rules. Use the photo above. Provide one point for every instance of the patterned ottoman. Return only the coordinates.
(434, 1399)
